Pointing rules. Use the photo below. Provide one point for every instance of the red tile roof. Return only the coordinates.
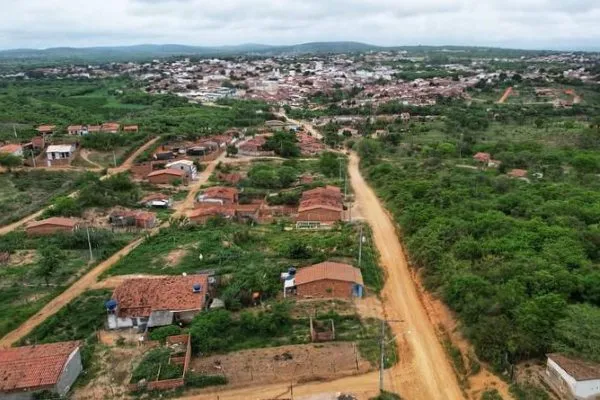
(329, 197)
(211, 211)
(130, 128)
(10, 148)
(33, 367)
(71, 223)
(168, 171)
(46, 128)
(74, 127)
(140, 296)
(579, 369)
(517, 173)
(221, 192)
(329, 270)
(483, 157)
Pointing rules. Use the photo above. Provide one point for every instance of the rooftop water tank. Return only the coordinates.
(111, 304)
(196, 288)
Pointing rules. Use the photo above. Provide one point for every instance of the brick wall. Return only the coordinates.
(140, 171)
(320, 214)
(47, 230)
(326, 288)
(165, 385)
(165, 179)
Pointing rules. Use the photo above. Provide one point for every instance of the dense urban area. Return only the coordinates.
(403, 223)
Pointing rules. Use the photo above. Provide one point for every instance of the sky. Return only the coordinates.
(526, 24)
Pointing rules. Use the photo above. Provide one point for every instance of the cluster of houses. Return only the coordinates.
(485, 160)
(321, 207)
(81, 130)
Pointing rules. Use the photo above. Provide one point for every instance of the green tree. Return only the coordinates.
(329, 164)
(50, 259)
(10, 161)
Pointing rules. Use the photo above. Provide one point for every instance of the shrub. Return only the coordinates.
(196, 380)
(161, 333)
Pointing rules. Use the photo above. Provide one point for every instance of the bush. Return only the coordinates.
(196, 380)
(161, 333)
(385, 395)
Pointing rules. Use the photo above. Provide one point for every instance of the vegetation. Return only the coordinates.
(195, 380)
(516, 259)
(78, 320)
(163, 332)
(155, 366)
(24, 192)
(252, 257)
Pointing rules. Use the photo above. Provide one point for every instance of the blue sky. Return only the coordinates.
(551, 24)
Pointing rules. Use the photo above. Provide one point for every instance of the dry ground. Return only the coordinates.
(301, 363)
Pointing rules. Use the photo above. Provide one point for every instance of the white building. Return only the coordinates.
(186, 166)
(573, 378)
(59, 153)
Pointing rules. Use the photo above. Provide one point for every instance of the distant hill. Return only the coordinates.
(149, 51)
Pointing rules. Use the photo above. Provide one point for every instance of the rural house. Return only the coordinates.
(110, 127)
(130, 128)
(77, 130)
(25, 371)
(158, 200)
(157, 301)
(46, 129)
(51, 225)
(573, 378)
(219, 195)
(203, 214)
(326, 280)
(187, 166)
(320, 207)
(166, 176)
(59, 154)
(13, 149)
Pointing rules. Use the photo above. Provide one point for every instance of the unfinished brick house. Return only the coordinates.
(26, 371)
(51, 226)
(157, 301)
(329, 280)
(320, 207)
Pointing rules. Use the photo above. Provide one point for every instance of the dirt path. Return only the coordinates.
(311, 129)
(507, 93)
(89, 280)
(84, 153)
(130, 160)
(424, 371)
(188, 203)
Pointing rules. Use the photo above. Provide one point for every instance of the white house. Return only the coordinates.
(573, 378)
(184, 165)
(59, 153)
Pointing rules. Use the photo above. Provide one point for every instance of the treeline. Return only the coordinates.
(516, 261)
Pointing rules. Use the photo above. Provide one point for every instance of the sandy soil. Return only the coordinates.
(174, 257)
(112, 379)
(424, 371)
(85, 154)
(307, 307)
(301, 363)
(369, 307)
(22, 257)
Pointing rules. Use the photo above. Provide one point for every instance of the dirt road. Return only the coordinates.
(89, 280)
(311, 129)
(85, 155)
(431, 375)
(507, 93)
(123, 167)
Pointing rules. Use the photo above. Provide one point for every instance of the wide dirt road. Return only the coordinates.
(424, 371)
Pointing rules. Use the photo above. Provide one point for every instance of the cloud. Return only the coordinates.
(513, 23)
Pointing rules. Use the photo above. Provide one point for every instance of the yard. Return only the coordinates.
(24, 192)
(248, 258)
(38, 269)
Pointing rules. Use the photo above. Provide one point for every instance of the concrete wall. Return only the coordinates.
(160, 318)
(17, 396)
(70, 372)
(115, 322)
(187, 316)
(326, 288)
(568, 387)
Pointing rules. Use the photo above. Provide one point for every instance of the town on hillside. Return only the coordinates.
(385, 224)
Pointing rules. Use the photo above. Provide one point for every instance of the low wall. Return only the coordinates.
(165, 384)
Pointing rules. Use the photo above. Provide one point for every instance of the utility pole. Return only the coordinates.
(87, 229)
(381, 355)
(33, 158)
(340, 162)
(115, 159)
(345, 186)
(360, 240)
(15, 131)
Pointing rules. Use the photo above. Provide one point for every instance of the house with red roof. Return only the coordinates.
(219, 195)
(325, 280)
(152, 302)
(320, 207)
(166, 176)
(51, 226)
(28, 370)
(13, 149)
(46, 129)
